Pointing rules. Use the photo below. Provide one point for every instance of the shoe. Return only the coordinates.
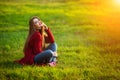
(55, 54)
(52, 64)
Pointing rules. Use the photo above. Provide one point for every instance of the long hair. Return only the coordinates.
(31, 31)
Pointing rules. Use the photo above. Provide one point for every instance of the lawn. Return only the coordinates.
(86, 32)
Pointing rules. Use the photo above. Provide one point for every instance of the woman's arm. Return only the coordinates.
(49, 38)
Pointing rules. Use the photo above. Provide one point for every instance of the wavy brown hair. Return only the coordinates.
(31, 31)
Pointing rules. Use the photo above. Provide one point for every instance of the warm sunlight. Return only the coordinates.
(116, 3)
(112, 5)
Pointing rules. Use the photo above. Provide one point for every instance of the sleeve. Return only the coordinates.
(37, 48)
(50, 37)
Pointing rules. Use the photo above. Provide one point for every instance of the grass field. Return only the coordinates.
(87, 34)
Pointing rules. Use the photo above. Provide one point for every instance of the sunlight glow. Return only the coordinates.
(117, 2)
(115, 5)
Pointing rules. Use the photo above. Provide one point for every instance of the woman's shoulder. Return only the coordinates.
(36, 35)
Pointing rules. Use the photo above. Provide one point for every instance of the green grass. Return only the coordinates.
(88, 47)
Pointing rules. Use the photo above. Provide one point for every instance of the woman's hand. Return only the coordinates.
(45, 26)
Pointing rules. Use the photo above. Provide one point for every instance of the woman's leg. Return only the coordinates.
(53, 47)
(43, 57)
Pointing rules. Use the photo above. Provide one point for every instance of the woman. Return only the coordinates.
(35, 51)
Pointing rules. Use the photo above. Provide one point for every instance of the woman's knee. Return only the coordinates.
(55, 46)
(50, 52)
(52, 46)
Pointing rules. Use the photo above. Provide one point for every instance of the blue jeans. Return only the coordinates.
(47, 55)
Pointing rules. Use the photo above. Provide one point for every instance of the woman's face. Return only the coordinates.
(37, 23)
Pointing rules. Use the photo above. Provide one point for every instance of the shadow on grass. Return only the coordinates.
(9, 65)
